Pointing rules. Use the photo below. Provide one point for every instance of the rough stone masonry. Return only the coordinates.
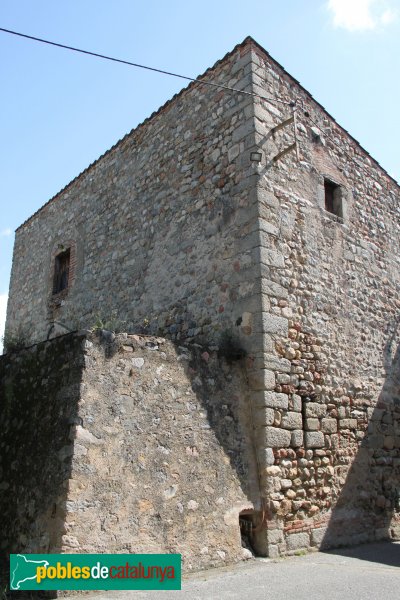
(126, 444)
(254, 227)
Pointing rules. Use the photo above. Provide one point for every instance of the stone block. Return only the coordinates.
(267, 198)
(270, 485)
(317, 536)
(277, 438)
(264, 416)
(266, 456)
(314, 439)
(261, 114)
(266, 229)
(273, 324)
(271, 288)
(297, 439)
(347, 423)
(271, 258)
(84, 436)
(329, 425)
(286, 484)
(240, 63)
(240, 132)
(297, 403)
(292, 420)
(298, 541)
(275, 536)
(276, 400)
(395, 531)
(315, 409)
(273, 551)
(273, 470)
(257, 398)
(261, 379)
(277, 364)
(312, 424)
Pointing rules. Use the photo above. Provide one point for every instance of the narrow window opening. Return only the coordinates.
(61, 271)
(333, 198)
(304, 401)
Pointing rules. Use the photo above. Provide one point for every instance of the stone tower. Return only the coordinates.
(250, 224)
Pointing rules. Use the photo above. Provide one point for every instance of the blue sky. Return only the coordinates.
(59, 110)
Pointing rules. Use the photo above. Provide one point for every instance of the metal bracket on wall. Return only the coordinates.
(294, 146)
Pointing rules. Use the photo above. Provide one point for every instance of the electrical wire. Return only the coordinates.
(293, 104)
(139, 66)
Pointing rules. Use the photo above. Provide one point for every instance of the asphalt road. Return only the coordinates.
(369, 572)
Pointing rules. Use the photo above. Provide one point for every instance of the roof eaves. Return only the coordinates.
(163, 107)
(247, 41)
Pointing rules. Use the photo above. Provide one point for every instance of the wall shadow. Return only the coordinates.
(367, 507)
(40, 390)
(39, 393)
(219, 380)
(386, 553)
(186, 468)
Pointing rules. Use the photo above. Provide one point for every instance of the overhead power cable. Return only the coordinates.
(132, 64)
(293, 104)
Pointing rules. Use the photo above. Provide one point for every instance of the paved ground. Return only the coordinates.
(367, 572)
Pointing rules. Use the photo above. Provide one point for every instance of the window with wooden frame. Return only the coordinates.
(61, 271)
(333, 198)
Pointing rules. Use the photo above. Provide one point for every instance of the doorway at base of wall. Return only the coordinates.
(247, 524)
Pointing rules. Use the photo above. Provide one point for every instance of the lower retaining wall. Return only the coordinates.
(162, 460)
(39, 396)
(131, 444)
(125, 444)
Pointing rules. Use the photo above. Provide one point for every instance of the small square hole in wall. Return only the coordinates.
(61, 271)
(333, 198)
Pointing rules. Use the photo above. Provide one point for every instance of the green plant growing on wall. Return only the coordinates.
(111, 323)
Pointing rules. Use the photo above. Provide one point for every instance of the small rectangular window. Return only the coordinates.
(61, 271)
(333, 198)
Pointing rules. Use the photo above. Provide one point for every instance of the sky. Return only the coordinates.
(59, 111)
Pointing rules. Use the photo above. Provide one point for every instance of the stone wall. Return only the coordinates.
(159, 227)
(163, 460)
(331, 317)
(125, 444)
(39, 395)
